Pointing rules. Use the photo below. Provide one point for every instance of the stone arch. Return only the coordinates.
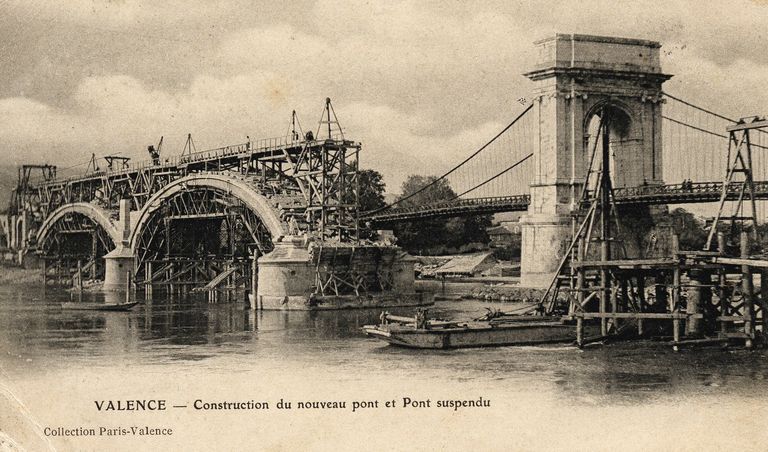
(238, 188)
(610, 103)
(97, 214)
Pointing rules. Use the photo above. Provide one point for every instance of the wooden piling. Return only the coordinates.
(675, 330)
(230, 283)
(79, 275)
(722, 294)
(579, 331)
(675, 300)
(764, 300)
(128, 286)
(615, 306)
(747, 289)
(580, 273)
(721, 244)
(148, 280)
(94, 252)
(604, 300)
(694, 302)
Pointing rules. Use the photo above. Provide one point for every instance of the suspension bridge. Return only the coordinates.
(281, 217)
(694, 152)
(664, 150)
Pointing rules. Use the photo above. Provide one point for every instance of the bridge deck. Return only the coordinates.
(261, 150)
(696, 192)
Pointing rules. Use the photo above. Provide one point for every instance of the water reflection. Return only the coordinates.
(179, 321)
(36, 335)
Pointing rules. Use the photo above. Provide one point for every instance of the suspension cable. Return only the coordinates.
(705, 110)
(694, 127)
(519, 162)
(697, 107)
(530, 106)
(685, 124)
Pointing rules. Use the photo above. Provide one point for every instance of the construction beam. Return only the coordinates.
(757, 124)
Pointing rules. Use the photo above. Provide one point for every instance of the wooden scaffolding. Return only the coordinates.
(690, 297)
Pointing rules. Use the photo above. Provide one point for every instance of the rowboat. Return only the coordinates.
(417, 332)
(98, 306)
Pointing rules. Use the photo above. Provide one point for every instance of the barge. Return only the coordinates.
(418, 332)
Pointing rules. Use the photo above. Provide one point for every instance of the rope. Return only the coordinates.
(457, 166)
(494, 177)
(75, 165)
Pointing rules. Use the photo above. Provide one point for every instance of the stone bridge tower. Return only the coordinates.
(578, 79)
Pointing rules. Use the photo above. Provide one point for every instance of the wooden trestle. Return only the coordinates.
(690, 297)
(698, 296)
(216, 277)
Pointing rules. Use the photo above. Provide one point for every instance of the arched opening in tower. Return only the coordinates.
(197, 236)
(626, 164)
(627, 167)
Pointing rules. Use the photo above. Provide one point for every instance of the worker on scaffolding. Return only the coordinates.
(154, 154)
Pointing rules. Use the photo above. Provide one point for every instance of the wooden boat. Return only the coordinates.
(416, 332)
(99, 306)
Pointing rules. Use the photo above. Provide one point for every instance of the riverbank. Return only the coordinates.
(476, 289)
(18, 275)
(471, 288)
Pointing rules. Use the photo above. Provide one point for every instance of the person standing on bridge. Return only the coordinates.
(154, 154)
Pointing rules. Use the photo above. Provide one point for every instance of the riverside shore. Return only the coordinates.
(478, 289)
(18, 275)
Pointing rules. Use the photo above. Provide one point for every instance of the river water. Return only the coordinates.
(56, 362)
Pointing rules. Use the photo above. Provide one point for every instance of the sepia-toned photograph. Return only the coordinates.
(332, 225)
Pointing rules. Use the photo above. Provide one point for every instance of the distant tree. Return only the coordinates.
(689, 229)
(424, 235)
(646, 232)
(370, 197)
(440, 191)
(371, 190)
(510, 251)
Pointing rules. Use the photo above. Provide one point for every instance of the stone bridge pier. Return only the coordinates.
(299, 274)
(582, 82)
(119, 264)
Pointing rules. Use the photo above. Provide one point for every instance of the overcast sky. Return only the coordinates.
(420, 84)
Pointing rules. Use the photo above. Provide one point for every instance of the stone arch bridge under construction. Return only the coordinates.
(281, 217)
(280, 211)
